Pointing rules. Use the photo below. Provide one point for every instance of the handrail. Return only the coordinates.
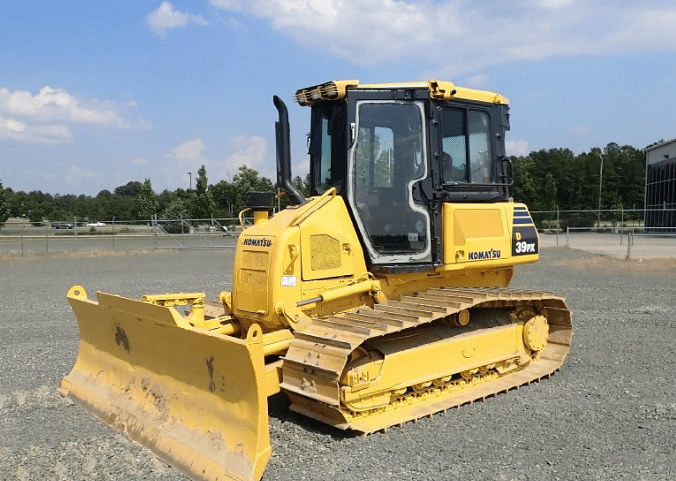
(314, 206)
(241, 217)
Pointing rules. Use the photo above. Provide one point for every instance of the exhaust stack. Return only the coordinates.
(284, 154)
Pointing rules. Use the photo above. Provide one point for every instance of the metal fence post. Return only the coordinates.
(558, 224)
(21, 243)
(46, 239)
(567, 236)
(630, 241)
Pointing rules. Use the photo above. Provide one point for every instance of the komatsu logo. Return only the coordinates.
(257, 242)
(483, 255)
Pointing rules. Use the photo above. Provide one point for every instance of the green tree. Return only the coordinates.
(165, 198)
(40, 206)
(203, 202)
(525, 188)
(223, 194)
(4, 206)
(549, 193)
(174, 215)
(303, 185)
(130, 189)
(576, 178)
(146, 203)
(18, 203)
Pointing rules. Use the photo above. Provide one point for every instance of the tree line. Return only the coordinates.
(137, 201)
(548, 179)
(544, 180)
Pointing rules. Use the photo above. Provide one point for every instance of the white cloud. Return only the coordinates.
(166, 17)
(11, 126)
(51, 133)
(234, 5)
(478, 81)
(45, 117)
(18, 131)
(251, 151)
(175, 165)
(463, 36)
(191, 152)
(50, 105)
(554, 4)
(517, 148)
(145, 124)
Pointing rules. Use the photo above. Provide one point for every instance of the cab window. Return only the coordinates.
(466, 147)
(327, 148)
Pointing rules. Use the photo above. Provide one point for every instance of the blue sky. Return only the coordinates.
(96, 94)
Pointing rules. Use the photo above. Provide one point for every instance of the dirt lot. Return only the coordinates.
(610, 414)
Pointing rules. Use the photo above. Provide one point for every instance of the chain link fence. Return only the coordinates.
(617, 232)
(613, 229)
(21, 238)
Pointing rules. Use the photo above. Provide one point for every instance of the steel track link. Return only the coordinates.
(316, 358)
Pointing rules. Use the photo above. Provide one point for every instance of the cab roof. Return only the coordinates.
(439, 90)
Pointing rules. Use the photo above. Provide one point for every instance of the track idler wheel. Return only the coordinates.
(536, 333)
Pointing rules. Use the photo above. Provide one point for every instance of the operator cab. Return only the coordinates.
(395, 153)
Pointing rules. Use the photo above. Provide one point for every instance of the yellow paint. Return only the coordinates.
(432, 353)
(196, 399)
(274, 261)
(439, 90)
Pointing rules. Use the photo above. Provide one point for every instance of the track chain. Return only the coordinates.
(317, 356)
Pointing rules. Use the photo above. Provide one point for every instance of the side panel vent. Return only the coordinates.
(325, 252)
(253, 282)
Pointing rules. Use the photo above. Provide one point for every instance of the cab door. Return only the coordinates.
(387, 157)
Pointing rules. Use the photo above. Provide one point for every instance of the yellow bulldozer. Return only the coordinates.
(379, 299)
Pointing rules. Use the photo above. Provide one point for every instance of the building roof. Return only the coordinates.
(660, 145)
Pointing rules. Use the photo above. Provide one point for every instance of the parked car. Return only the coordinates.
(96, 224)
(62, 225)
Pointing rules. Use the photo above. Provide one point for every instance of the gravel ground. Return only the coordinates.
(610, 414)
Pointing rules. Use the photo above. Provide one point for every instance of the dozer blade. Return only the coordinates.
(196, 399)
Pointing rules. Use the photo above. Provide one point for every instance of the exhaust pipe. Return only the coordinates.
(284, 154)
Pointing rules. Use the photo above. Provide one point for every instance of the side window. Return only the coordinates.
(479, 147)
(325, 158)
(466, 156)
(327, 148)
(454, 146)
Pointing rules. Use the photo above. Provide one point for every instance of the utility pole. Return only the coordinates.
(598, 221)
